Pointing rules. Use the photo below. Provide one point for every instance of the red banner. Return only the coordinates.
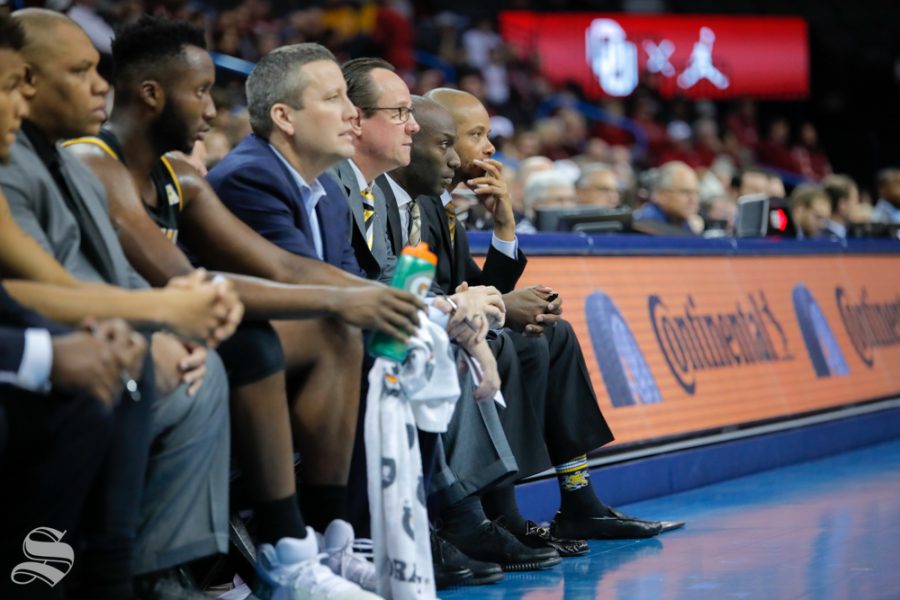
(696, 56)
(676, 345)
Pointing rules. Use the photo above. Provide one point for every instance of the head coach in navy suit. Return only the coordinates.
(274, 178)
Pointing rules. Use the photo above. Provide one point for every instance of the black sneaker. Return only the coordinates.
(483, 573)
(447, 571)
(492, 543)
(536, 536)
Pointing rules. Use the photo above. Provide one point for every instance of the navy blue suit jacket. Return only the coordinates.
(14, 320)
(257, 187)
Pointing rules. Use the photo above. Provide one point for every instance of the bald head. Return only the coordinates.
(66, 95)
(452, 99)
(432, 116)
(434, 159)
(42, 28)
(676, 191)
(473, 124)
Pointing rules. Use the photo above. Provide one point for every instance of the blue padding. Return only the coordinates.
(233, 64)
(688, 469)
(580, 244)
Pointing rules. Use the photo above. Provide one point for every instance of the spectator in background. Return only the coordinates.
(808, 156)
(845, 206)
(552, 135)
(774, 150)
(718, 216)
(810, 210)
(753, 180)
(887, 209)
(598, 186)
(548, 189)
(775, 189)
(527, 167)
(674, 202)
(393, 37)
(680, 147)
(479, 41)
(707, 145)
(742, 124)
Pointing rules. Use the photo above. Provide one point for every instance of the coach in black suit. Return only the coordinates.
(558, 404)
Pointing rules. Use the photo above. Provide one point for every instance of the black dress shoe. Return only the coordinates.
(536, 536)
(480, 573)
(664, 526)
(447, 572)
(615, 526)
(670, 525)
(490, 542)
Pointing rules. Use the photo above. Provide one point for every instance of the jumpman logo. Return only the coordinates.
(700, 64)
(49, 559)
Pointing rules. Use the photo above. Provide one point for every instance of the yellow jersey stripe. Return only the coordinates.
(92, 140)
(166, 162)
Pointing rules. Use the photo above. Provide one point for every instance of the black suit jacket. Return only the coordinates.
(455, 263)
(394, 227)
(14, 320)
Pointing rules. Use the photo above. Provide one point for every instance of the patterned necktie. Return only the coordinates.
(450, 209)
(369, 215)
(415, 223)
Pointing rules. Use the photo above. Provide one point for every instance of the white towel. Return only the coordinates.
(422, 390)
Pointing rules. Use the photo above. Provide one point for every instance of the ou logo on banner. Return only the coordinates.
(50, 559)
(612, 58)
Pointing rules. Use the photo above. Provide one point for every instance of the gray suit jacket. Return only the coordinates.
(40, 210)
(379, 262)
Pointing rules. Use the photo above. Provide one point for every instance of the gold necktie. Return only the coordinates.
(369, 215)
(450, 209)
(415, 224)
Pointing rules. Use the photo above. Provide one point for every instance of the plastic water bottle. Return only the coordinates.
(414, 273)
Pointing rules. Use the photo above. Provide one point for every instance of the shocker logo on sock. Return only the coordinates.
(575, 481)
(50, 559)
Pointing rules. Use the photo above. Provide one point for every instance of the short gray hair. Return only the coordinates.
(666, 172)
(589, 169)
(277, 78)
(538, 184)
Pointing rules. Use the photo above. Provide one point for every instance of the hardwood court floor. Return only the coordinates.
(823, 530)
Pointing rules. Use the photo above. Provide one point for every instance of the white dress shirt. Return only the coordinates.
(37, 360)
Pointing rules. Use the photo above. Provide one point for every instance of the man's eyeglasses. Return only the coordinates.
(397, 114)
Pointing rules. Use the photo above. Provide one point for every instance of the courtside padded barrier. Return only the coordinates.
(686, 339)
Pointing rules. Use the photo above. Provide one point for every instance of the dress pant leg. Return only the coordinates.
(574, 424)
(474, 453)
(55, 445)
(184, 514)
(523, 364)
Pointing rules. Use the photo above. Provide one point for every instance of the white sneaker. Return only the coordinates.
(293, 570)
(338, 543)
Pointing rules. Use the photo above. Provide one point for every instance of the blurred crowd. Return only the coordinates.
(606, 153)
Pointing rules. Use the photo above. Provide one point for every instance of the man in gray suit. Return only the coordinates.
(382, 139)
(182, 456)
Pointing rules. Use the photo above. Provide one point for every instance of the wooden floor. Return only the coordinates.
(828, 529)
